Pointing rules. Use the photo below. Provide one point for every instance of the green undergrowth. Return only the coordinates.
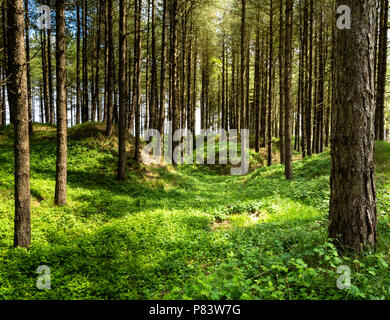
(191, 232)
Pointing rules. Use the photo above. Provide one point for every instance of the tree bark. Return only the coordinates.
(281, 84)
(287, 88)
(78, 90)
(17, 95)
(27, 23)
(122, 91)
(109, 61)
(353, 216)
(62, 123)
(162, 75)
(382, 71)
(269, 121)
(85, 108)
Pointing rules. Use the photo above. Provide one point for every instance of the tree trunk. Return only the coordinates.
(96, 104)
(353, 216)
(310, 84)
(257, 87)
(137, 83)
(4, 73)
(269, 124)
(174, 107)
(281, 85)
(382, 71)
(45, 76)
(243, 67)
(153, 85)
(287, 89)
(62, 123)
(85, 108)
(27, 24)
(122, 91)
(162, 75)
(78, 90)
(50, 75)
(17, 97)
(109, 61)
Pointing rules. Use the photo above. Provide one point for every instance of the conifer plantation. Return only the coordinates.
(194, 149)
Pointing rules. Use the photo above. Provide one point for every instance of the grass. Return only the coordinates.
(181, 233)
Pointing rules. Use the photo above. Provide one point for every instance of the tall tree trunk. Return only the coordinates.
(281, 80)
(96, 104)
(78, 90)
(5, 54)
(27, 23)
(45, 76)
(17, 97)
(137, 84)
(109, 60)
(269, 125)
(310, 84)
(148, 118)
(353, 214)
(263, 116)
(287, 89)
(153, 85)
(257, 85)
(162, 75)
(62, 123)
(305, 78)
(194, 90)
(174, 107)
(85, 108)
(50, 74)
(321, 88)
(243, 67)
(122, 91)
(382, 71)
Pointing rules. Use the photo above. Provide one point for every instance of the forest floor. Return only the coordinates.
(189, 232)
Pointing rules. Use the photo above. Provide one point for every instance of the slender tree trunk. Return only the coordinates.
(148, 118)
(263, 120)
(17, 97)
(110, 66)
(353, 215)
(257, 85)
(174, 107)
(122, 91)
(62, 123)
(85, 108)
(50, 76)
(5, 54)
(27, 23)
(269, 125)
(382, 71)
(153, 90)
(287, 88)
(281, 80)
(321, 88)
(305, 78)
(45, 76)
(162, 75)
(96, 104)
(308, 113)
(137, 84)
(243, 67)
(194, 90)
(78, 90)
